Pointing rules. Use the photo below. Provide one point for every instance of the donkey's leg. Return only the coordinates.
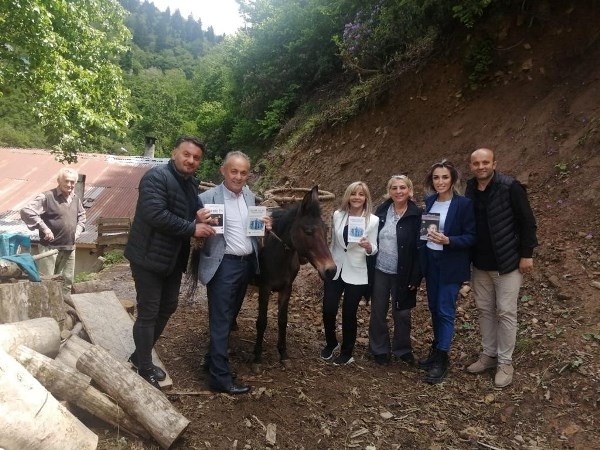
(261, 322)
(282, 320)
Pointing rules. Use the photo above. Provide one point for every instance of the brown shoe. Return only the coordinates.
(484, 363)
(504, 375)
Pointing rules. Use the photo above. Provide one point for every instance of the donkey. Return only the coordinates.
(298, 236)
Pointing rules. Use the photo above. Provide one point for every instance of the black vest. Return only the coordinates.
(501, 221)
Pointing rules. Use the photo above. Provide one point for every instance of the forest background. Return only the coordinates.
(100, 75)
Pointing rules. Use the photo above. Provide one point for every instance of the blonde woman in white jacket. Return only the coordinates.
(351, 278)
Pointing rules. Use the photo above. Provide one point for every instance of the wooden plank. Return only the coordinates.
(108, 325)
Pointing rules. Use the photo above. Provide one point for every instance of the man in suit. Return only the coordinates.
(227, 261)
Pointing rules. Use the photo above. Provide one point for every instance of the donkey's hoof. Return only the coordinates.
(256, 368)
(286, 363)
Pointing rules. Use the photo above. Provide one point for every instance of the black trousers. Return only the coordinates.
(332, 294)
(157, 296)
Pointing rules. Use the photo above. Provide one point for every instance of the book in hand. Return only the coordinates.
(217, 215)
(429, 222)
(256, 226)
(356, 228)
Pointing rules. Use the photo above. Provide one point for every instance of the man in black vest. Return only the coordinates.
(506, 237)
(59, 217)
(159, 245)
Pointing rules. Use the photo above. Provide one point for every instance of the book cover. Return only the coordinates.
(217, 215)
(429, 222)
(356, 228)
(256, 226)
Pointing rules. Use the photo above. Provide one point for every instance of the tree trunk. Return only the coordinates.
(41, 335)
(138, 398)
(66, 383)
(32, 418)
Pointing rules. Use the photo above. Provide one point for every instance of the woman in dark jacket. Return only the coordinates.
(397, 272)
(445, 261)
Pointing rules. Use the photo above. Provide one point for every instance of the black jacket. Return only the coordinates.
(510, 220)
(407, 235)
(164, 220)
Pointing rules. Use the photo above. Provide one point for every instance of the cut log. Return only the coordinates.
(71, 349)
(41, 335)
(136, 396)
(89, 286)
(66, 383)
(32, 418)
(109, 326)
(26, 300)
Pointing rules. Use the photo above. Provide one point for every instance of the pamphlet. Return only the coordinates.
(256, 226)
(429, 222)
(217, 215)
(356, 228)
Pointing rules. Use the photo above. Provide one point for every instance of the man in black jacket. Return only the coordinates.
(159, 245)
(506, 237)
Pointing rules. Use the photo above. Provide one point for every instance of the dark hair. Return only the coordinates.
(194, 140)
(454, 176)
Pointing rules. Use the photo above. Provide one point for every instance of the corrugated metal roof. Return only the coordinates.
(110, 186)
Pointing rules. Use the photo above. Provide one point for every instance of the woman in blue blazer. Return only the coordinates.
(445, 261)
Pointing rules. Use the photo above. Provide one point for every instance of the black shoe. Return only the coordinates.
(328, 350)
(159, 374)
(234, 389)
(150, 376)
(382, 360)
(408, 358)
(439, 368)
(426, 363)
(343, 360)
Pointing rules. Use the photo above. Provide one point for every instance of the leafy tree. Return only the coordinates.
(65, 57)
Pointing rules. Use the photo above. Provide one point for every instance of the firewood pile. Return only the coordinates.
(62, 358)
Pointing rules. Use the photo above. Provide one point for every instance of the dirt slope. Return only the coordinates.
(540, 111)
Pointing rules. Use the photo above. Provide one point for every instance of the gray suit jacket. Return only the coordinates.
(213, 250)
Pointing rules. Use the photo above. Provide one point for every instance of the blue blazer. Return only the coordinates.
(460, 228)
(213, 249)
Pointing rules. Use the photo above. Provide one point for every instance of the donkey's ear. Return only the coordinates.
(310, 198)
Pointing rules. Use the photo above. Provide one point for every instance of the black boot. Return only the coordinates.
(426, 363)
(439, 368)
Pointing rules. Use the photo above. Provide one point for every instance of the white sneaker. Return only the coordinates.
(504, 375)
(484, 363)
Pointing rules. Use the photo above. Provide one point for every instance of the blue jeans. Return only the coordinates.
(441, 298)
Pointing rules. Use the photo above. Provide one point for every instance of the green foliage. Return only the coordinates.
(479, 60)
(469, 11)
(113, 257)
(64, 56)
(562, 169)
(384, 33)
(591, 336)
(84, 276)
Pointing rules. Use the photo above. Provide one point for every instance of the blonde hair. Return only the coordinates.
(407, 181)
(345, 206)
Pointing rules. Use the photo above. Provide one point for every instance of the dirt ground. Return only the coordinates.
(540, 112)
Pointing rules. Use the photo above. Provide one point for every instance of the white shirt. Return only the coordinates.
(442, 209)
(236, 215)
